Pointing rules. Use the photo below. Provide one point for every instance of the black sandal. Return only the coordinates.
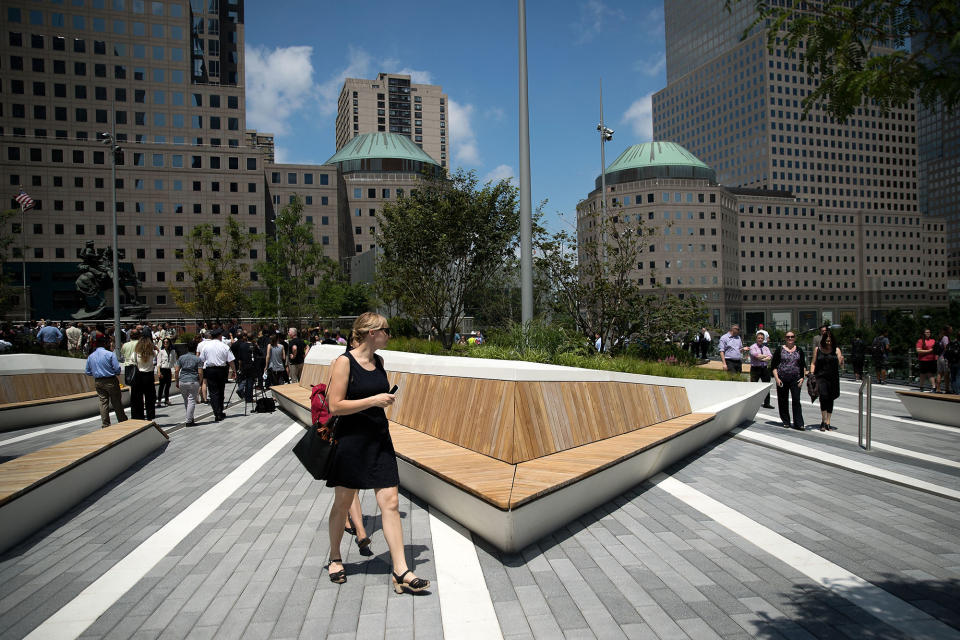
(364, 546)
(352, 529)
(415, 586)
(337, 577)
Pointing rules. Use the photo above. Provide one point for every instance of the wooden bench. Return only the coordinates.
(39, 487)
(508, 486)
(31, 399)
(940, 408)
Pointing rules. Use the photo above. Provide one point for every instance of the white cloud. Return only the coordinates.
(654, 22)
(416, 76)
(358, 66)
(496, 114)
(640, 117)
(500, 172)
(279, 83)
(462, 138)
(593, 16)
(653, 65)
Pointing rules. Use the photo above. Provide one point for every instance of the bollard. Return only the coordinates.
(863, 434)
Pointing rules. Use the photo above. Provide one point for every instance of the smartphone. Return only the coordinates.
(394, 390)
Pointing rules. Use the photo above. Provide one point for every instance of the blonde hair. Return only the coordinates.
(365, 323)
(144, 348)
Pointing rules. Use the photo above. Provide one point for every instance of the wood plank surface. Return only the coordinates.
(35, 386)
(549, 473)
(943, 397)
(20, 474)
(42, 401)
(482, 476)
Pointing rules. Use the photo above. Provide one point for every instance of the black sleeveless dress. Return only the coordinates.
(365, 458)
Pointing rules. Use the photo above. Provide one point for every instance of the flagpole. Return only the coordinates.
(23, 258)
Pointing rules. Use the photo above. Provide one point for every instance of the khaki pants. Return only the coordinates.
(108, 391)
(295, 371)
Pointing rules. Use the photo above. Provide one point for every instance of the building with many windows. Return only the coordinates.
(393, 104)
(166, 76)
(736, 105)
(760, 255)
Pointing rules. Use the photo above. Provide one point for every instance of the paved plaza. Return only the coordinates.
(767, 533)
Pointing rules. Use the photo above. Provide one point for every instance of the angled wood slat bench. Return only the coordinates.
(41, 486)
(42, 389)
(940, 408)
(513, 450)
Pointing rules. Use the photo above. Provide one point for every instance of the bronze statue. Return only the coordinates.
(95, 276)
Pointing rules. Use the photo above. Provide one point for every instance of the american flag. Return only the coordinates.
(25, 201)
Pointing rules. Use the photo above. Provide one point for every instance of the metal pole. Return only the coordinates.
(116, 253)
(603, 176)
(23, 259)
(526, 243)
(869, 411)
(863, 384)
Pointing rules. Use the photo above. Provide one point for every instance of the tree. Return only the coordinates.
(592, 279)
(594, 287)
(300, 280)
(441, 241)
(859, 50)
(7, 292)
(356, 299)
(211, 261)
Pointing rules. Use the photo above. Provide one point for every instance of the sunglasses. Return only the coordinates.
(386, 330)
(791, 337)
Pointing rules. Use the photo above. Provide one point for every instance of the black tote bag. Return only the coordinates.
(317, 448)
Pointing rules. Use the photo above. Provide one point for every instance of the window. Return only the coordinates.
(291, 178)
(251, 164)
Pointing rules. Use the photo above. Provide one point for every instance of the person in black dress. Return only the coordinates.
(365, 458)
(825, 366)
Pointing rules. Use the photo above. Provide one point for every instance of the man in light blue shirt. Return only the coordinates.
(104, 367)
(49, 336)
(731, 350)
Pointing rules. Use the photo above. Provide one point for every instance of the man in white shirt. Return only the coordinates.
(215, 357)
(705, 341)
(766, 336)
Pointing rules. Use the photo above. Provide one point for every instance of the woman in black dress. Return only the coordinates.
(825, 366)
(365, 458)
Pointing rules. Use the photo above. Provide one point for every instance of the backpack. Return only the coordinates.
(952, 352)
(319, 410)
(938, 348)
(878, 350)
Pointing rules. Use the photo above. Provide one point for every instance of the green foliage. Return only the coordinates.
(595, 288)
(211, 262)
(669, 353)
(883, 52)
(300, 281)
(624, 364)
(356, 299)
(403, 327)
(444, 239)
(538, 335)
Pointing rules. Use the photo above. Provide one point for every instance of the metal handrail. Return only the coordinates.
(863, 435)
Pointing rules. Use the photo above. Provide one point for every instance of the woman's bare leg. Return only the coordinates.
(389, 501)
(356, 515)
(342, 498)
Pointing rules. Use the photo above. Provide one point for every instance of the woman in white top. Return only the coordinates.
(166, 358)
(143, 394)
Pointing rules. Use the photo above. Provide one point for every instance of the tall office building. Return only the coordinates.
(737, 107)
(393, 104)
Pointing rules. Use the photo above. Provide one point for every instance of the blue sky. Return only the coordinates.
(298, 52)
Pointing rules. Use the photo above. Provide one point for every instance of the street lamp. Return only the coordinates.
(109, 140)
(605, 136)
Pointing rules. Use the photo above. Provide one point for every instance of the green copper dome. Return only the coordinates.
(657, 160)
(382, 152)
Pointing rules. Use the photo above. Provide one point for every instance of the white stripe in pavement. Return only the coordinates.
(845, 463)
(866, 595)
(34, 434)
(884, 386)
(878, 445)
(465, 605)
(875, 397)
(919, 423)
(78, 614)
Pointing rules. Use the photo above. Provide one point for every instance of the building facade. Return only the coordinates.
(763, 256)
(391, 103)
(737, 106)
(166, 78)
